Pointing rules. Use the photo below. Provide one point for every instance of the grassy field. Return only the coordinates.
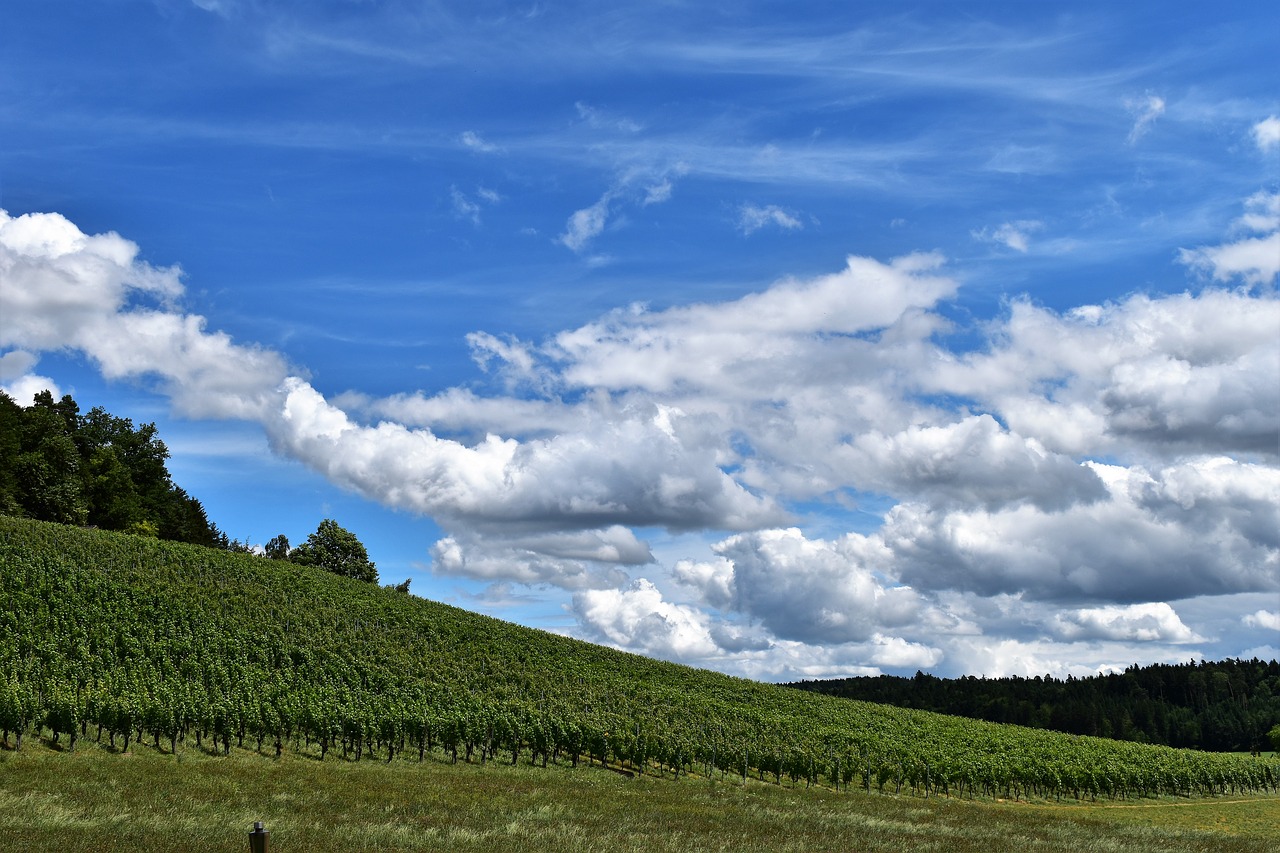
(101, 801)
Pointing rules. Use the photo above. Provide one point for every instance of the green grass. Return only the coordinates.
(98, 800)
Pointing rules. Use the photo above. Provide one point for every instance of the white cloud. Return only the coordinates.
(1151, 622)
(463, 207)
(629, 469)
(598, 119)
(1255, 260)
(751, 218)
(1147, 110)
(1261, 213)
(658, 193)
(1198, 528)
(63, 288)
(638, 618)
(814, 591)
(586, 224)
(1015, 235)
(580, 560)
(23, 389)
(1173, 374)
(973, 462)
(472, 140)
(1107, 459)
(998, 657)
(1266, 134)
(762, 346)
(1265, 619)
(516, 360)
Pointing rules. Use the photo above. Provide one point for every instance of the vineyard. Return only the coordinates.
(125, 639)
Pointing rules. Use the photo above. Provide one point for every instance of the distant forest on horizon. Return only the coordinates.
(1223, 706)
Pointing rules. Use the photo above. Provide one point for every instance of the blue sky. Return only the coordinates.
(786, 340)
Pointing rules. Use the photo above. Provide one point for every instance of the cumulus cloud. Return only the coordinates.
(1266, 134)
(1109, 461)
(1186, 530)
(973, 462)
(751, 218)
(1152, 622)
(579, 560)
(565, 482)
(1265, 619)
(1176, 374)
(1001, 657)
(639, 618)
(1254, 260)
(66, 289)
(754, 345)
(17, 380)
(814, 591)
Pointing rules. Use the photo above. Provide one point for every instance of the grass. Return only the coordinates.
(101, 801)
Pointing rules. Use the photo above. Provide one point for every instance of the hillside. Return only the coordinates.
(121, 637)
(1225, 705)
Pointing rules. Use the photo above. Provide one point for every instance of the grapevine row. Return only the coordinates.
(123, 639)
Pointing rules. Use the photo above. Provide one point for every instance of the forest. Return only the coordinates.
(94, 469)
(1222, 706)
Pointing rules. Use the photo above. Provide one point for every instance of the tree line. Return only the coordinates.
(97, 470)
(1223, 706)
(94, 469)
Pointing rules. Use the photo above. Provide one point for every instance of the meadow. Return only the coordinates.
(97, 799)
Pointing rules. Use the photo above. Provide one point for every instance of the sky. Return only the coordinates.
(788, 340)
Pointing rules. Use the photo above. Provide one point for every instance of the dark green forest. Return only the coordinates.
(94, 469)
(1223, 706)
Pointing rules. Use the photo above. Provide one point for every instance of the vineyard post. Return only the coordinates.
(259, 839)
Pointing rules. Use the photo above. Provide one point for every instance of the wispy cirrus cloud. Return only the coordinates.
(752, 218)
(473, 141)
(1014, 235)
(1146, 109)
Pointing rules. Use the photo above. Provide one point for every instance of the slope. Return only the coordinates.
(120, 636)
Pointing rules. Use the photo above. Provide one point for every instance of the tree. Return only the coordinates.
(336, 550)
(1274, 737)
(277, 548)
